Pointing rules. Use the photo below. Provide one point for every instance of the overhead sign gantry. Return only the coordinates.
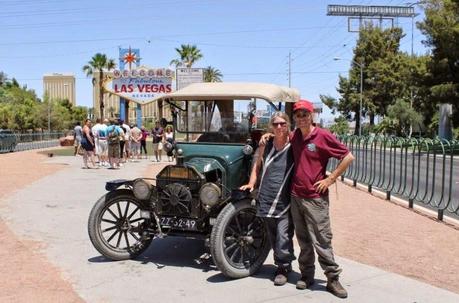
(369, 12)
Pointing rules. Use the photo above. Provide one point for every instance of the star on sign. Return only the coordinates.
(129, 57)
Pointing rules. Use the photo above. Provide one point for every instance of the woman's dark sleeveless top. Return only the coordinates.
(274, 189)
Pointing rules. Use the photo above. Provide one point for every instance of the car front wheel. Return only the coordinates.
(239, 243)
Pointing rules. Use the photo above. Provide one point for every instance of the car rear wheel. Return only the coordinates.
(239, 243)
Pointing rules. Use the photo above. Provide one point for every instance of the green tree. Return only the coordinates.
(212, 74)
(3, 78)
(23, 105)
(6, 115)
(340, 127)
(378, 50)
(79, 113)
(188, 55)
(441, 28)
(400, 117)
(348, 102)
(99, 63)
(388, 75)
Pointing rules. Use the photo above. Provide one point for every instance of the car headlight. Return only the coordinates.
(247, 150)
(210, 194)
(142, 189)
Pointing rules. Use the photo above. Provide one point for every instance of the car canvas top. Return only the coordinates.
(233, 91)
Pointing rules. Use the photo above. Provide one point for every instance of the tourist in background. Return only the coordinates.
(95, 134)
(157, 134)
(169, 138)
(127, 141)
(136, 135)
(103, 144)
(114, 135)
(77, 136)
(143, 141)
(87, 142)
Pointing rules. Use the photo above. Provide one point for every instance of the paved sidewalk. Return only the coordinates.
(52, 212)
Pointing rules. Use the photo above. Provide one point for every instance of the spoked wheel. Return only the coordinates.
(239, 242)
(115, 227)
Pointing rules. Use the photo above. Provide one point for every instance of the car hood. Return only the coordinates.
(207, 157)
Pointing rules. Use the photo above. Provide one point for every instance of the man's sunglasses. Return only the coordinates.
(276, 124)
(301, 114)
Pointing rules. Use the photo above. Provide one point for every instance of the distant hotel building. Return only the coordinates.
(60, 86)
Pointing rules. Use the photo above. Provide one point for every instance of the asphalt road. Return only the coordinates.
(425, 182)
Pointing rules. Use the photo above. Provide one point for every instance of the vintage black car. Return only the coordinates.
(197, 197)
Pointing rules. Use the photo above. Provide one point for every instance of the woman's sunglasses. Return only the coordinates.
(276, 124)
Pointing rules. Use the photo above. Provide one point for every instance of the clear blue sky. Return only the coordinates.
(245, 40)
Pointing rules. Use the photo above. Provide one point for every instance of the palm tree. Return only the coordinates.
(98, 63)
(188, 54)
(212, 74)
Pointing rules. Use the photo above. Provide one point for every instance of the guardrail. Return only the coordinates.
(422, 171)
(21, 142)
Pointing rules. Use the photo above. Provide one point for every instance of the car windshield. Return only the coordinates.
(222, 121)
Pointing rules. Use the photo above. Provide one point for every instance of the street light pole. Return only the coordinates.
(360, 65)
(412, 24)
(412, 53)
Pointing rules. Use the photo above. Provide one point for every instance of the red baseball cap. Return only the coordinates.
(303, 105)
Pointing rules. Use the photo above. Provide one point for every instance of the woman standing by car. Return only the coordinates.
(272, 170)
(87, 142)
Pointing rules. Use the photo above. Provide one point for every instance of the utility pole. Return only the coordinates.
(49, 116)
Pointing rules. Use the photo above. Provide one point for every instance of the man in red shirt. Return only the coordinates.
(312, 147)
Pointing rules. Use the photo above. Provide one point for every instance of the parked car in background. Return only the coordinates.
(8, 141)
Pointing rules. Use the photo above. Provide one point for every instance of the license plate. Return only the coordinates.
(179, 223)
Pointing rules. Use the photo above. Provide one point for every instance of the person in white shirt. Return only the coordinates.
(103, 145)
(95, 132)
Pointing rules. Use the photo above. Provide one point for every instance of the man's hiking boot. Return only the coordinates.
(280, 277)
(334, 287)
(304, 282)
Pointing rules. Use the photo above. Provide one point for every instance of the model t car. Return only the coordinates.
(198, 197)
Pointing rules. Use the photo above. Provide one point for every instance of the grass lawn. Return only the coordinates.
(63, 151)
(68, 150)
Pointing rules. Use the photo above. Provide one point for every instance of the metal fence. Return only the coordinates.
(20, 142)
(422, 171)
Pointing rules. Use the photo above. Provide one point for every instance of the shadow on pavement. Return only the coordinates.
(172, 251)
(267, 272)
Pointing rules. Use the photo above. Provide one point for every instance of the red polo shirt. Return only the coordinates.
(311, 158)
